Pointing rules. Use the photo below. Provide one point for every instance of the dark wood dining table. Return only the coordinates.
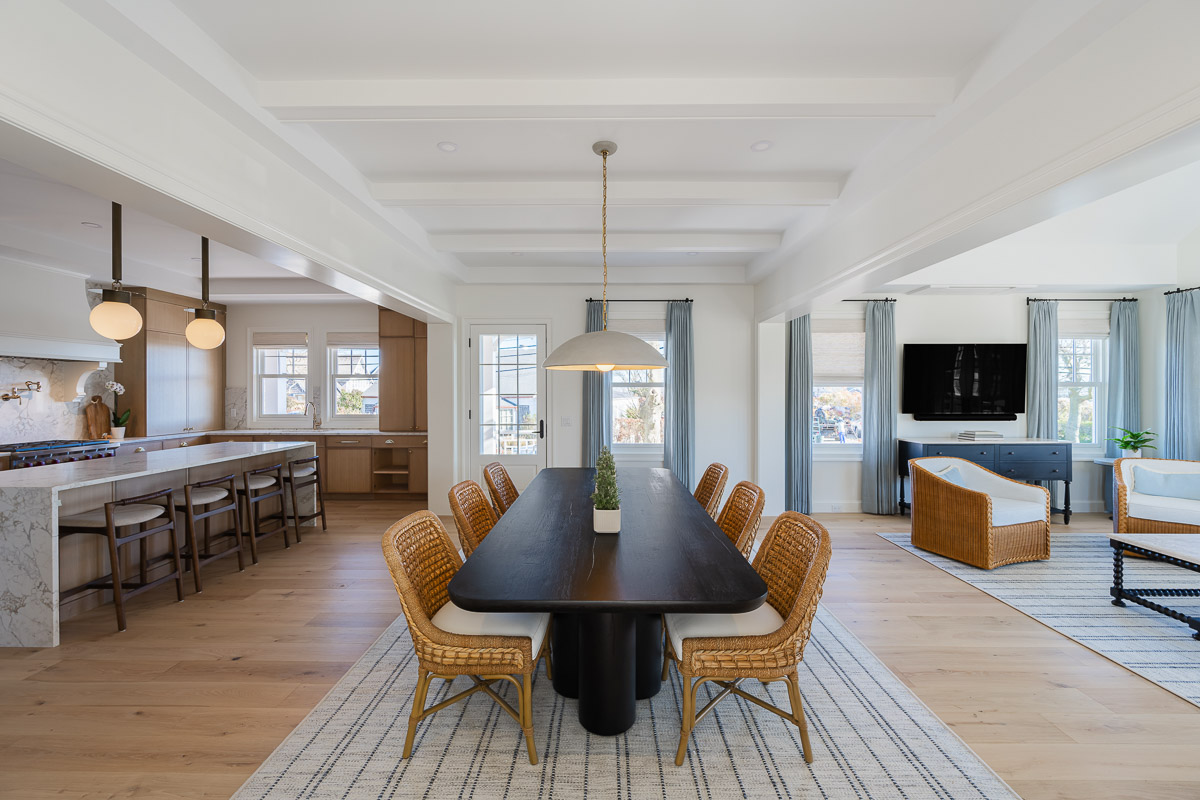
(607, 592)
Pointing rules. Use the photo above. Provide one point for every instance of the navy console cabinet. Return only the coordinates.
(1019, 459)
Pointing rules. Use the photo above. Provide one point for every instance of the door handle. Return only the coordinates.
(542, 429)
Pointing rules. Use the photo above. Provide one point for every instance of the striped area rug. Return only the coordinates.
(1069, 593)
(871, 738)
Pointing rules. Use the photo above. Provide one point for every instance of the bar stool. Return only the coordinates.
(116, 515)
(197, 504)
(256, 487)
(302, 473)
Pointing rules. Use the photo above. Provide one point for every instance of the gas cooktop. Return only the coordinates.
(52, 444)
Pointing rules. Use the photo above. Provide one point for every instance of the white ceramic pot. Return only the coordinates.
(606, 521)
(1131, 454)
(116, 433)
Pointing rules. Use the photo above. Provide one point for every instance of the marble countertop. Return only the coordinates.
(280, 432)
(87, 473)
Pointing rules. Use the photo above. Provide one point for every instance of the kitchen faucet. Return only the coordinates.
(316, 414)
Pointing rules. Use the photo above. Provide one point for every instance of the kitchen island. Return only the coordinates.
(33, 565)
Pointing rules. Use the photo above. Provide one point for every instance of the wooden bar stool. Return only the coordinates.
(258, 486)
(203, 500)
(302, 473)
(117, 515)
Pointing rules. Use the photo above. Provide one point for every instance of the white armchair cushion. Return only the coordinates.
(762, 620)
(1128, 465)
(980, 479)
(453, 619)
(1016, 512)
(1166, 484)
(1163, 509)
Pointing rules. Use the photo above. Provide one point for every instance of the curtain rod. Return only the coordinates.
(871, 300)
(673, 300)
(1177, 291)
(1029, 300)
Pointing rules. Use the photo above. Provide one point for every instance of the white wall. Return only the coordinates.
(771, 380)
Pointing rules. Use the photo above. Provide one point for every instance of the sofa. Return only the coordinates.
(1156, 495)
(963, 511)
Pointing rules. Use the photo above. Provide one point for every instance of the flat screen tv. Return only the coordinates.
(964, 381)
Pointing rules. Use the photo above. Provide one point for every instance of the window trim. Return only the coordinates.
(349, 420)
(1086, 451)
(646, 451)
(256, 382)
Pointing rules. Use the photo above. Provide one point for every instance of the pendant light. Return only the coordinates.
(604, 350)
(204, 331)
(115, 317)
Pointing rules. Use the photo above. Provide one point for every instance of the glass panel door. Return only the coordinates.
(508, 423)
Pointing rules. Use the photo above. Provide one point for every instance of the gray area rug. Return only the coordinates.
(871, 736)
(1069, 593)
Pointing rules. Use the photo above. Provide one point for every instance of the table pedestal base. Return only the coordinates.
(607, 661)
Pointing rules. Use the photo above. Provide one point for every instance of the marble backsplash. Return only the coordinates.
(236, 408)
(38, 416)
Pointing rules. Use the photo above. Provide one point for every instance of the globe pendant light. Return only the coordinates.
(604, 350)
(115, 317)
(204, 331)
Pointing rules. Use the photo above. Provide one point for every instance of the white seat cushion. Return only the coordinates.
(1015, 512)
(764, 619)
(259, 482)
(202, 496)
(132, 514)
(1164, 509)
(304, 472)
(453, 619)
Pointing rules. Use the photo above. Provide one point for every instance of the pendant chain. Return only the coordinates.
(604, 234)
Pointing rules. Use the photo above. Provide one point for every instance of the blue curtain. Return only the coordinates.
(679, 438)
(880, 410)
(1041, 376)
(798, 400)
(597, 423)
(1181, 436)
(1124, 385)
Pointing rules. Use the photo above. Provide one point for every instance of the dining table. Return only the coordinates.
(607, 592)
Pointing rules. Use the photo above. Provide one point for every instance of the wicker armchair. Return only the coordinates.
(1135, 512)
(767, 643)
(500, 486)
(742, 514)
(711, 487)
(473, 514)
(988, 521)
(450, 641)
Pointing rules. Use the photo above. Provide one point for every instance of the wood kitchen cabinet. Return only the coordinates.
(403, 367)
(171, 386)
(347, 467)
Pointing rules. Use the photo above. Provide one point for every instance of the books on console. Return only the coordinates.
(976, 436)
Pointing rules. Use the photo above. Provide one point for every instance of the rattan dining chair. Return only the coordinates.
(767, 643)
(473, 514)
(500, 486)
(742, 514)
(450, 641)
(711, 487)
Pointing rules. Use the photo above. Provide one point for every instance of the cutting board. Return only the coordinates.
(99, 418)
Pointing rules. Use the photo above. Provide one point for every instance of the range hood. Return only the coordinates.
(44, 314)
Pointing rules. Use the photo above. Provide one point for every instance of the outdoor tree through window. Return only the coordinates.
(639, 402)
(282, 374)
(355, 379)
(1081, 390)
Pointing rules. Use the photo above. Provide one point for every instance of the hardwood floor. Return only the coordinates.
(191, 699)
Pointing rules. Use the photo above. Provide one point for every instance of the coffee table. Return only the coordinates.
(1178, 549)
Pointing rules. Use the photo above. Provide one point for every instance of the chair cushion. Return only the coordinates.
(259, 482)
(453, 619)
(303, 472)
(202, 496)
(1014, 512)
(132, 514)
(763, 619)
(1166, 484)
(953, 475)
(1163, 509)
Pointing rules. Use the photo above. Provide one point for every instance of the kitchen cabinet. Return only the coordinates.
(400, 464)
(347, 468)
(403, 367)
(162, 387)
(183, 441)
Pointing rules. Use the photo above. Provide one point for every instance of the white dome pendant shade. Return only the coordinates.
(115, 317)
(204, 332)
(604, 350)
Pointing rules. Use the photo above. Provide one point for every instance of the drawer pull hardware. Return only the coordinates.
(348, 441)
(183, 444)
(139, 449)
(388, 441)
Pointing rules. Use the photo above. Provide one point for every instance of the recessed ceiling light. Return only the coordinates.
(447, 147)
(91, 224)
(516, 253)
(195, 258)
(761, 144)
(693, 253)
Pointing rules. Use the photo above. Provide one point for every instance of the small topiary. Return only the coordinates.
(606, 497)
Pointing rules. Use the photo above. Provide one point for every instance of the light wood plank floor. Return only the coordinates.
(191, 699)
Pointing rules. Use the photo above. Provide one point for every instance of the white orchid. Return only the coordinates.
(115, 388)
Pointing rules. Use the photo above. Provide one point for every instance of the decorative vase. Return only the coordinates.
(116, 433)
(606, 521)
(1131, 454)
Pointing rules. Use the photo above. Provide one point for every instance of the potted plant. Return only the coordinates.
(606, 516)
(1134, 442)
(119, 421)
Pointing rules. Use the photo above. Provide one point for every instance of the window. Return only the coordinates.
(508, 393)
(281, 375)
(838, 357)
(1081, 390)
(638, 401)
(354, 376)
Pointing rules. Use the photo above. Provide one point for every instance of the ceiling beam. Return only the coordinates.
(662, 242)
(662, 98)
(814, 192)
(657, 275)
